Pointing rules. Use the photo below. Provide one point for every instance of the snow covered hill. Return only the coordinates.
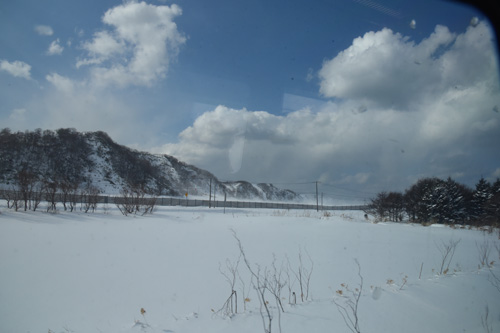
(93, 158)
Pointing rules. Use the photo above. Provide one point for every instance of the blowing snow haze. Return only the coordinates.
(362, 96)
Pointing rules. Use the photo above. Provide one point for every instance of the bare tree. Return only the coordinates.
(72, 196)
(37, 195)
(125, 202)
(26, 183)
(149, 205)
(494, 278)
(13, 196)
(483, 251)
(269, 282)
(5, 194)
(50, 195)
(303, 275)
(245, 291)
(27, 193)
(230, 306)
(277, 283)
(387, 206)
(447, 251)
(16, 199)
(290, 283)
(485, 321)
(68, 194)
(348, 308)
(275, 286)
(90, 198)
(260, 284)
(134, 200)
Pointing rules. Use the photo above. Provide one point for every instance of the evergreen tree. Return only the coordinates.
(457, 209)
(481, 196)
(492, 206)
(413, 200)
(433, 199)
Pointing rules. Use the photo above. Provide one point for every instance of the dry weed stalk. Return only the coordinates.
(260, 284)
(230, 307)
(483, 250)
(447, 251)
(348, 309)
(303, 275)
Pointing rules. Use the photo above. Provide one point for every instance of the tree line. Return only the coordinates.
(434, 200)
(28, 191)
(69, 156)
(45, 154)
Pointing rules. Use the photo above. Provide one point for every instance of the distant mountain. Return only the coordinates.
(93, 158)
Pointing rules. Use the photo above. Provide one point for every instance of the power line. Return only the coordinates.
(273, 183)
(348, 189)
(352, 193)
(305, 183)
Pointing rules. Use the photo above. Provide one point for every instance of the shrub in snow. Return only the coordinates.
(447, 251)
(347, 302)
(268, 283)
(135, 201)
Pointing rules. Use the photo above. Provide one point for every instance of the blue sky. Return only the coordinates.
(361, 95)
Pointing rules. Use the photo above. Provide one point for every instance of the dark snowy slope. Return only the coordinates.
(93, 158)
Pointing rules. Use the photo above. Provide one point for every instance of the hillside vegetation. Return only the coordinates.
(67, 158)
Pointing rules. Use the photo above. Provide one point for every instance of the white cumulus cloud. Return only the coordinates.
(16, 68)
(101, 48)
(137, 49)
(386, 68)
(55, 48)
(403, 110)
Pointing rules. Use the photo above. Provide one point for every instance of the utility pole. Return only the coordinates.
(210, 195)
(317, 203)
(224, 201)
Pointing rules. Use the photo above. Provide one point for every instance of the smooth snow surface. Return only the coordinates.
(75, 272)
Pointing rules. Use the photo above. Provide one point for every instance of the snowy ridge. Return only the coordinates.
(93, 158)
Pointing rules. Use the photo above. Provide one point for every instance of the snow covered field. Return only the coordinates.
(75, 272)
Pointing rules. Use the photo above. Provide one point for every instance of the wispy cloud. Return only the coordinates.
(44, 30)
(380, 7)
(18, 114)
(62, 83)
